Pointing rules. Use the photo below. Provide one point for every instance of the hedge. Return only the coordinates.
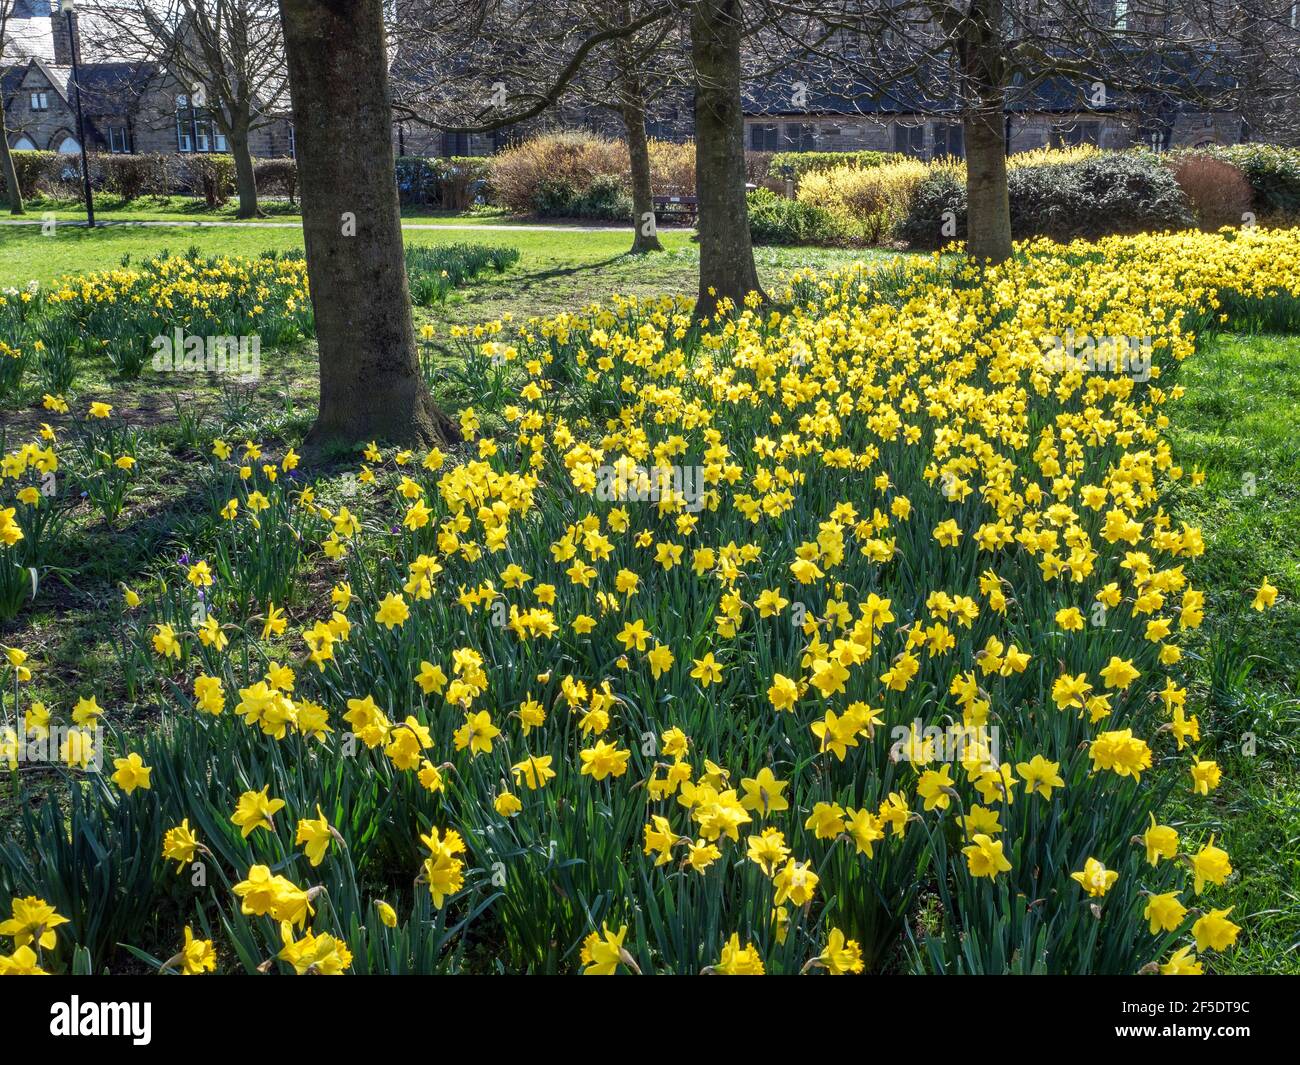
(276, 177)
(1129, 192)
(209, 176)
(446, 183)
(773, 219)
(33, 169)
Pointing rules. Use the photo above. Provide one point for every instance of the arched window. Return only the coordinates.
(24, 143)
(68, 146)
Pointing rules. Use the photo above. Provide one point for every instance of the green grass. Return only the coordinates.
(557, 271)
(189, 209)
(558, 267)
(1240, 422)
(27, 254)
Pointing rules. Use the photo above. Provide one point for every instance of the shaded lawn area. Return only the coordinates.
(1240, 422)
(27, 254)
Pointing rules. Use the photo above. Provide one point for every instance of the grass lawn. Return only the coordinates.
(189, 209)
(557, 267)
(1240, 422)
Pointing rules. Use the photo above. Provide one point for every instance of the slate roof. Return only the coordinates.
(29, 31)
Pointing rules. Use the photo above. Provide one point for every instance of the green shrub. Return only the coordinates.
(417, 180)
(1105, 194)
(1273, 173)
(276, 177)
(939, 193)
(604, 199)
(1118, 193)
(133, 176)
(774, 219)
(211, 177)
(451, 184)
(35, 171)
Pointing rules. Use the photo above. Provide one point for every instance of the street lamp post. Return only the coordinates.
(69, 9)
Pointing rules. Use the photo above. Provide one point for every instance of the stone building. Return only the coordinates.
(128, 106)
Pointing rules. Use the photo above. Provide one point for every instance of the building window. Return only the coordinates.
(184, 124)
(24, 143)
(1075, 134)
(800, 137)
(764, 138)
(1121, 14)
(40, 101)
(195, 131)
(119, 140)
(293, 143)
(455, 144)
(909, 140)
(949, 140)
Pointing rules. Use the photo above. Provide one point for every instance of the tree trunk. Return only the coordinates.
(245, 175)
(645, 238)
(15, 194)
(631, 91)
(370, 383)
(988, 207)
(726, 254)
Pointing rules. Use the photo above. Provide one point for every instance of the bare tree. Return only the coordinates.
(229, 53)
(631, 60)
(628, 77)
(6, 157)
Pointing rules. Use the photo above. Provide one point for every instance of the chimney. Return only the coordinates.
(62, 38)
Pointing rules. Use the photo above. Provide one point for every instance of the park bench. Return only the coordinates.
(676, 209)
